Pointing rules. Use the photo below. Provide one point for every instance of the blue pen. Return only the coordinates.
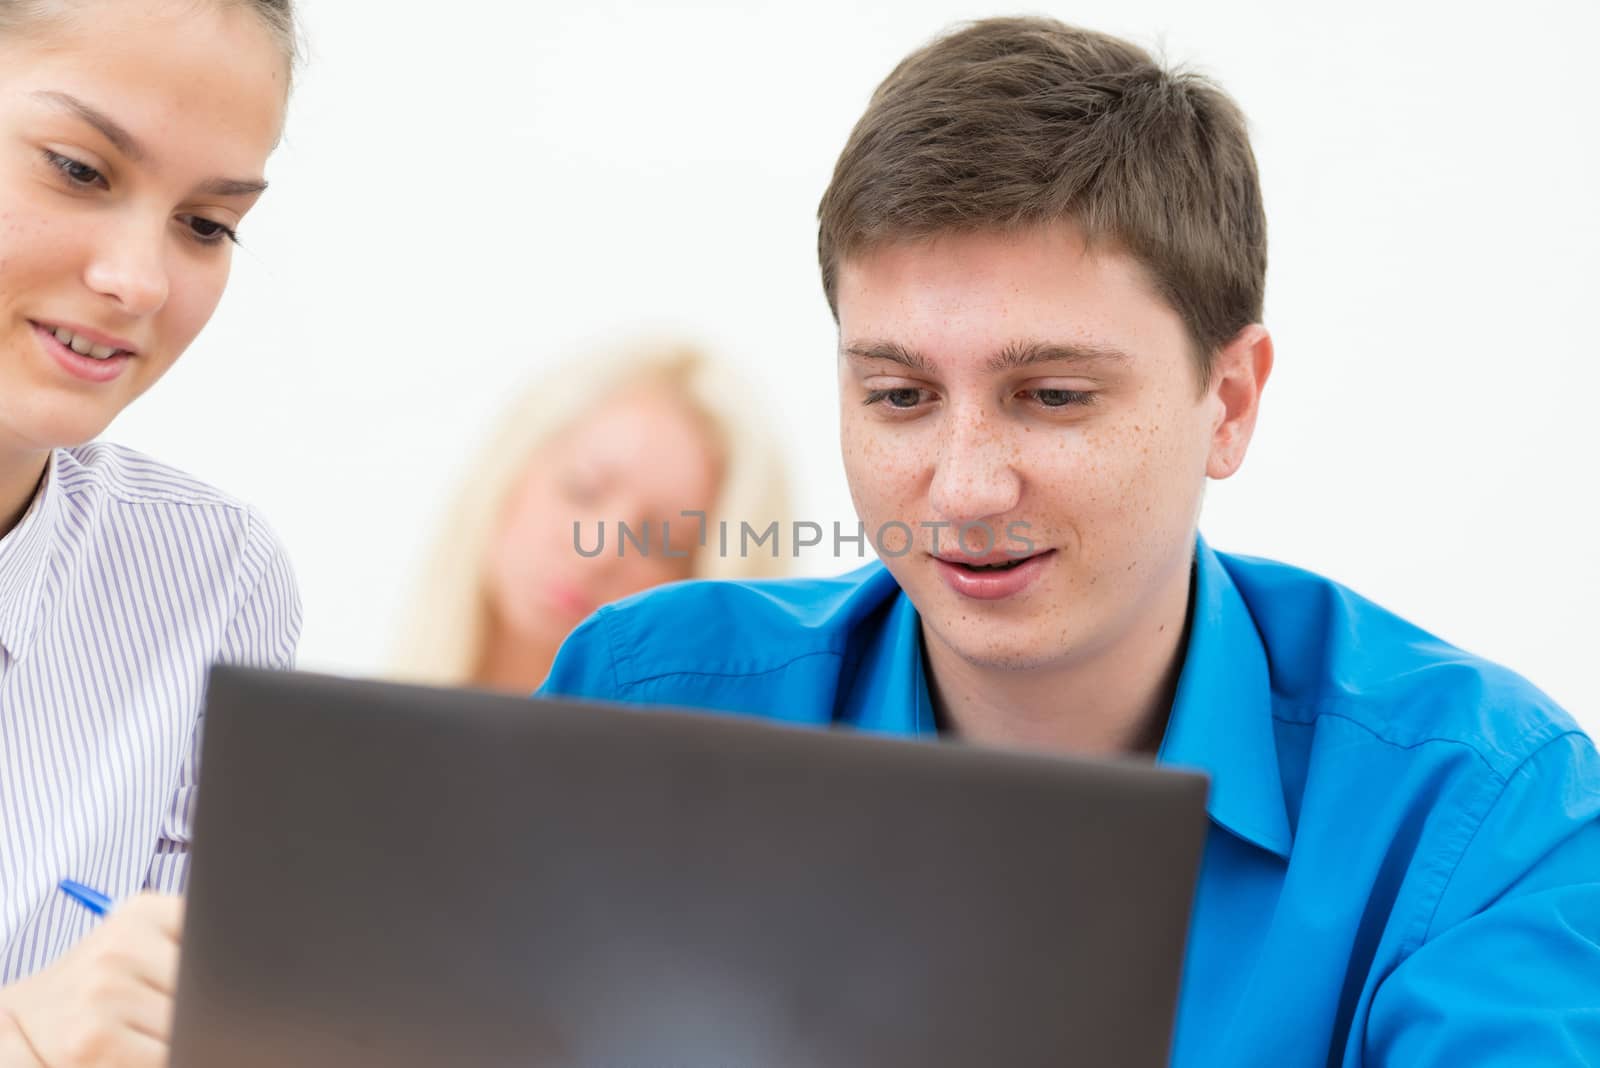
(89, 898)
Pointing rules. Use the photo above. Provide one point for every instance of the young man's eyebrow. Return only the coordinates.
(1021, 354)
(108, 127)
(129, 146)
(1016, 355)
(892, 351)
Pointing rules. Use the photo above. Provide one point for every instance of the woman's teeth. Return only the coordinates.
(84, 347)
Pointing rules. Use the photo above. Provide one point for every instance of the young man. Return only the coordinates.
(1046, 256)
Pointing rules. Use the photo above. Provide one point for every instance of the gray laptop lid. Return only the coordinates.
(388, 875)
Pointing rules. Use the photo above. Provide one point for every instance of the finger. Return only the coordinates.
(135, 948)
(149, 1013)
(115, 1010)
(160, 912)
(134, 1049)
(16, 1050)
(153, 961)
(121, 1028)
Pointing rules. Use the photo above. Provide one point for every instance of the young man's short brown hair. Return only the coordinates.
(1017, 122)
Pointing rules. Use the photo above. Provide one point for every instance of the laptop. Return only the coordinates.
(408, 877)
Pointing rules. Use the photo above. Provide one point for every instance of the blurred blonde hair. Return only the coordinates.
(443, 639)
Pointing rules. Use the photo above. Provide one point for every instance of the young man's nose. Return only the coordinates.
(974, 476)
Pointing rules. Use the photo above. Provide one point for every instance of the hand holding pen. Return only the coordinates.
(108, 1000)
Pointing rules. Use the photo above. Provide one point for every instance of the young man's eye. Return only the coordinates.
(209, 231)
(76, 173)
(901, 399)
(1061, 398)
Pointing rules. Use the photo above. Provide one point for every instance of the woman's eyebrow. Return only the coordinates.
(232, 187)
(129, 146)
(108, 127)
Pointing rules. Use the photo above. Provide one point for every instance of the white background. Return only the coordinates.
(469, 191)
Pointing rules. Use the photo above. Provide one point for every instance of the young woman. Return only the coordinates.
(133, 139)
(638, 434)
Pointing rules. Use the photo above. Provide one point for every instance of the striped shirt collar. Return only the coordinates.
(22, 565)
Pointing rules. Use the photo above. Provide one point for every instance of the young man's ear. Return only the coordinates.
(1238, 374)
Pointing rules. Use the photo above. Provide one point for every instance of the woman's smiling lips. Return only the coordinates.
(569, 599)
(105, 358)
(992, 576)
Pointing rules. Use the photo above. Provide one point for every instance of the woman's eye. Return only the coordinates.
(76, 173)
(1061, 398)
(209, 230)
(581, 488)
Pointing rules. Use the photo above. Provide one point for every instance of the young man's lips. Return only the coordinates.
(968, 576)
(987, 559)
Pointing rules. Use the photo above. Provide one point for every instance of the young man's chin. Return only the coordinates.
(1013, 645)
(1003, 635)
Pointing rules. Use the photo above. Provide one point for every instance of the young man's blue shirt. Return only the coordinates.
(1403, 866)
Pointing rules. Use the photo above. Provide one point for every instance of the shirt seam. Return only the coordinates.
(31, 586)
(604, 618)
(640, 681)
(608, 616)
(118, 480)
(245, 587)
(153, 499)
(85, 479)
(1533, 739)
(1482, 818)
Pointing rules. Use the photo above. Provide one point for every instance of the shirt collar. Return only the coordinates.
(1221, 721)
(1221, 718)
(889, 688)
(22, 559)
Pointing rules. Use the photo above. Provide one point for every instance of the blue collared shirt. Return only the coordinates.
(1403, 865)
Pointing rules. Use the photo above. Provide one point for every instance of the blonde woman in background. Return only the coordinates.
(636, 436)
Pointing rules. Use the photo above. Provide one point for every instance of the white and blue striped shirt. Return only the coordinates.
(123, 582)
